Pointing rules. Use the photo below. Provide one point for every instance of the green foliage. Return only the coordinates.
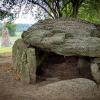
(85, 9)
(90, 11)
(11, 28)
(4, 14)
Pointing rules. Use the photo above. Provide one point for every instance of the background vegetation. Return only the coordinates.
(11, 28)
(84, 9)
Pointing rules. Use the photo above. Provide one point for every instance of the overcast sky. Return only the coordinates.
(26, 18)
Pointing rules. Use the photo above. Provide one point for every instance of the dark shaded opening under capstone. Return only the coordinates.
(60, 67)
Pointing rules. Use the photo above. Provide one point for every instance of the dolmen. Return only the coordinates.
(58, 49)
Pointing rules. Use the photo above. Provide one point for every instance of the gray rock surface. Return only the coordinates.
(24, 61)
(68, 37)
(84, 64)
(95, 71)
(75, 89)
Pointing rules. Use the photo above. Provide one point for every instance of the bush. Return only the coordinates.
(11, 28)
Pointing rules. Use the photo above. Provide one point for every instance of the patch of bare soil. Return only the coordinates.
(12, 89)
(8, 85)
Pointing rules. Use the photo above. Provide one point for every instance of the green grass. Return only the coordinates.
(5, 52)
(5, 49)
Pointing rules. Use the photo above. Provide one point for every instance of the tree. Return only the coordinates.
(75, 6)
(90, 10)
(59, 8)
(11, 28)
(54, 8)
(4, 14)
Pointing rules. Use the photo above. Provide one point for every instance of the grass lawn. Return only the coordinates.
(5, 51)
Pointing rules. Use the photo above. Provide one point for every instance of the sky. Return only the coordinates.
(27, 18)
(23, 19)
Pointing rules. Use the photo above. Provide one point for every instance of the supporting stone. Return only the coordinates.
(95, 69)
(24, 61)
(84, 64)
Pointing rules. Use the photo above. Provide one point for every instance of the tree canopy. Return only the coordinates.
(86, 9)
(4, 14)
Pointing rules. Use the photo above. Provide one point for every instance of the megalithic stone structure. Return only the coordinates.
(24, 61)
(65, 37)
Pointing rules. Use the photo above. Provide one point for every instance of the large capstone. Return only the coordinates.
(24, 61)
(68, 37)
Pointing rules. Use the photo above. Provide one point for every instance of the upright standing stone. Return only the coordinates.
(95, 69)
(5, 38)
(24, 61)
(84, 66)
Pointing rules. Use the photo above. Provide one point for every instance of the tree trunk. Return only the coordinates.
(75, 10)
(75, 6)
